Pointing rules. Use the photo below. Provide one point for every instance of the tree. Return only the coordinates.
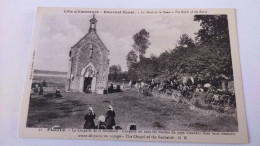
(132, 75)
(141, 42)
(214, 34)
(208, 59)
(186, 41)
(114, 72)
(125, 76)
(131, 58)
(214, 30)
(146, 68)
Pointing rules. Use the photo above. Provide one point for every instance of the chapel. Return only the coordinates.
(88, 65)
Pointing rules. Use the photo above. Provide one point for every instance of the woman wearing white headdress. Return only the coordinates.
(110, 118)
(89, 118)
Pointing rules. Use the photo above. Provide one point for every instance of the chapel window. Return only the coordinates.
(91, 50)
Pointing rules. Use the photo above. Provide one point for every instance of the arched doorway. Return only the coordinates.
(88, 79)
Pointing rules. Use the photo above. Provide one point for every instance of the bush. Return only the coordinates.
(147, 93)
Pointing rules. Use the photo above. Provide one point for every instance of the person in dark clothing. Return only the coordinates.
(89, 119)
(102, 125)
(41, 90)
(131, 126)
(110, 118)
(44, 83)
(118, 88)
(36, 87)
(116, 127)
(57, 94)
(112, 86)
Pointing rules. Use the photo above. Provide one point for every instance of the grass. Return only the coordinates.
(147, 112)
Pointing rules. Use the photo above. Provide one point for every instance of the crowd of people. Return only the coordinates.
(38, 87)
(216, 89)
(107, 122)
(104, 122)
(112, 89)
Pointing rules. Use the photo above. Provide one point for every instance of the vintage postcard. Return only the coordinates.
(169, 75)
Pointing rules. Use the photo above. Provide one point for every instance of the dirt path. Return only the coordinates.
(148, 113)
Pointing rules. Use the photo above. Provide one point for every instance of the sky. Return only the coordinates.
(58, 33)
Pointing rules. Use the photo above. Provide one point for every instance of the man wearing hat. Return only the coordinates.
(89, 118)
(110, 118)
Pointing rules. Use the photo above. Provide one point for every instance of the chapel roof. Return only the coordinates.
(91, 32)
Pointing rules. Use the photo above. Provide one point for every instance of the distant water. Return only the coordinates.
(49, 75)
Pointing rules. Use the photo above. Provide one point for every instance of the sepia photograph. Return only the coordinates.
(133, 70)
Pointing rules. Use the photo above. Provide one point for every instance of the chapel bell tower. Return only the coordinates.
(93, 24)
